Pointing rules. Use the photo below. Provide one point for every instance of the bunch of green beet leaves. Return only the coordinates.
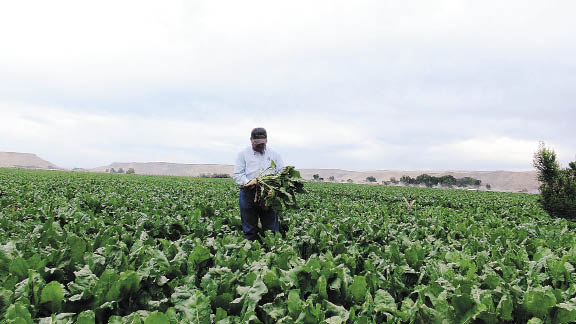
(277, 190)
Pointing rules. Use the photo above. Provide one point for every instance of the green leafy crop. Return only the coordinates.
(115, 248)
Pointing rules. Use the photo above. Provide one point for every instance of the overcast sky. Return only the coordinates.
(356, 85)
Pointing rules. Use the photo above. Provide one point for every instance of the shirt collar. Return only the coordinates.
(256, 152)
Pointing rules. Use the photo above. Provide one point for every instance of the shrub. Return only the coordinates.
(215, 175)
(557, 185)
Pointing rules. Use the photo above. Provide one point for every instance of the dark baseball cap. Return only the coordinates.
(258, 135)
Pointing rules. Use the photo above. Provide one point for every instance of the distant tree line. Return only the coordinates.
(423, 179)
(317, 178)
(121, 170)
(443, 181)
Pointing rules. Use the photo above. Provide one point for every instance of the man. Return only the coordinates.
(250, 163)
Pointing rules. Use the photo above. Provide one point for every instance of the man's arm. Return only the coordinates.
(240, 170)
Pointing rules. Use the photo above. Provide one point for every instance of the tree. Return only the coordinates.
(112, 170)
(468, 181)
(130, 171)
(557, 185)
(427, 180)
(331, 178)
(350, 181)
(316, 176)
(370, 179)
(448, 181)
(406, 180)
(120, 170)
(393, 180)
(488, 186)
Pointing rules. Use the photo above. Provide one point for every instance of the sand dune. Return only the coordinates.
(25, 160)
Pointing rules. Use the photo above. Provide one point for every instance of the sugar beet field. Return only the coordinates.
(102, 248)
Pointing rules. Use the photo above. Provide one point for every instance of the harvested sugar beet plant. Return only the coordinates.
(273, 191)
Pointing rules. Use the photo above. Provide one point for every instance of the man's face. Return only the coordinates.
(258, 147)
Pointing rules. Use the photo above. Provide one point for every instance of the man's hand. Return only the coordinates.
(251, 183)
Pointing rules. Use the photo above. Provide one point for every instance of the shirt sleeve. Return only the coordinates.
(240, 170)
(279, 163)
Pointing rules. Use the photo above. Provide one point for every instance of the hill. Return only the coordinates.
(25, 160)
(166, 168)
(499, 180)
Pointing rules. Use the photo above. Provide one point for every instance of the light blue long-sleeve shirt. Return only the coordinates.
(250, 164)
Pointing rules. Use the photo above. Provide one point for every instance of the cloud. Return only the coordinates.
(105, 135)
(108, 45)
(72, 135)
(494, 150)
(89, 139)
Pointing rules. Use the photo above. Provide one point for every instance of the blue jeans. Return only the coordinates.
(251, 212)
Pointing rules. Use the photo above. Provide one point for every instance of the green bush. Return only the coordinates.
(557, 185)
(370, 179)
